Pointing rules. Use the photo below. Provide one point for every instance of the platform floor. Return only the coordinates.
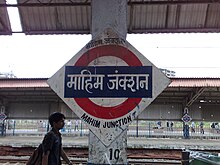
(132, 142)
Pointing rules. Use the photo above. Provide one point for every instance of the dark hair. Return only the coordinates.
(56, 117)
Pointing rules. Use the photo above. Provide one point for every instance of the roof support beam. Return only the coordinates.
(86, 3)
(196, 95)
(176, 30)
(50, 4)
(172, 2)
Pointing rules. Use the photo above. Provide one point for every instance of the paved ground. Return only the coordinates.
(133, 142)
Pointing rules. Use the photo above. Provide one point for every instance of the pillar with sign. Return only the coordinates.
(108, 83)
(2, 124)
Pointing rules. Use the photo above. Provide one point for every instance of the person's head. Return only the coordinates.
(56, 118)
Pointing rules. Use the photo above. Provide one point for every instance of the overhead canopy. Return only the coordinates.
(144, 16)
(5, 27)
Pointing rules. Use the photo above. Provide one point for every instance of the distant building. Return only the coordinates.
(168, 73)
(7, 75)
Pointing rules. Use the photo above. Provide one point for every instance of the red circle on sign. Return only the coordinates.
(108, 112)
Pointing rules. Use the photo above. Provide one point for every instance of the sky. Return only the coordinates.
(40, 56)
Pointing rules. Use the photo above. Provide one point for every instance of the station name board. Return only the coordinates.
(108, 82)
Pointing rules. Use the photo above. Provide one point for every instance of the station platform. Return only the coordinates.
(132, 142)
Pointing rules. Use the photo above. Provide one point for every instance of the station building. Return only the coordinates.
(29, 99)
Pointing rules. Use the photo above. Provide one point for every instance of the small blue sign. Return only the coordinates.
(2, 116)
(108, 82)
(186, 118)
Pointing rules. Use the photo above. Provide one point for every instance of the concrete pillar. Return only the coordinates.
(115, 153)
(108, 14)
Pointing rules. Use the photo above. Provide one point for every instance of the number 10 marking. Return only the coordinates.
(114, 154)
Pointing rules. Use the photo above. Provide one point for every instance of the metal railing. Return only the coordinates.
(142, 129)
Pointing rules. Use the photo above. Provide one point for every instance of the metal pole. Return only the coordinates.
(149, 130)
(81, 128)
(14, 128)
(185, 158)
(137, 127)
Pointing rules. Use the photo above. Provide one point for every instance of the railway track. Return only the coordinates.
(21, 161)
(14, 155)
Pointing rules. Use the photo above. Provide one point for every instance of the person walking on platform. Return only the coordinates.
(201, 125)
(76, 125)
(193, 127)
(168, 125)
(171, 126)
(52, 142)
(186, 131)
(69, 126)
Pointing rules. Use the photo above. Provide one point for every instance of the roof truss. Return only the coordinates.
(147, 16)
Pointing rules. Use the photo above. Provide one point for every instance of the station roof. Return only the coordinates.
(181, 90)
(5, 26)
(144, 16)
(175, 82)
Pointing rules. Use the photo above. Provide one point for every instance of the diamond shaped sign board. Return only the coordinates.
(2, 117)
(108, 83)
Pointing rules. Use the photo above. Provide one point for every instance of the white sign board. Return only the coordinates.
(108, 84)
